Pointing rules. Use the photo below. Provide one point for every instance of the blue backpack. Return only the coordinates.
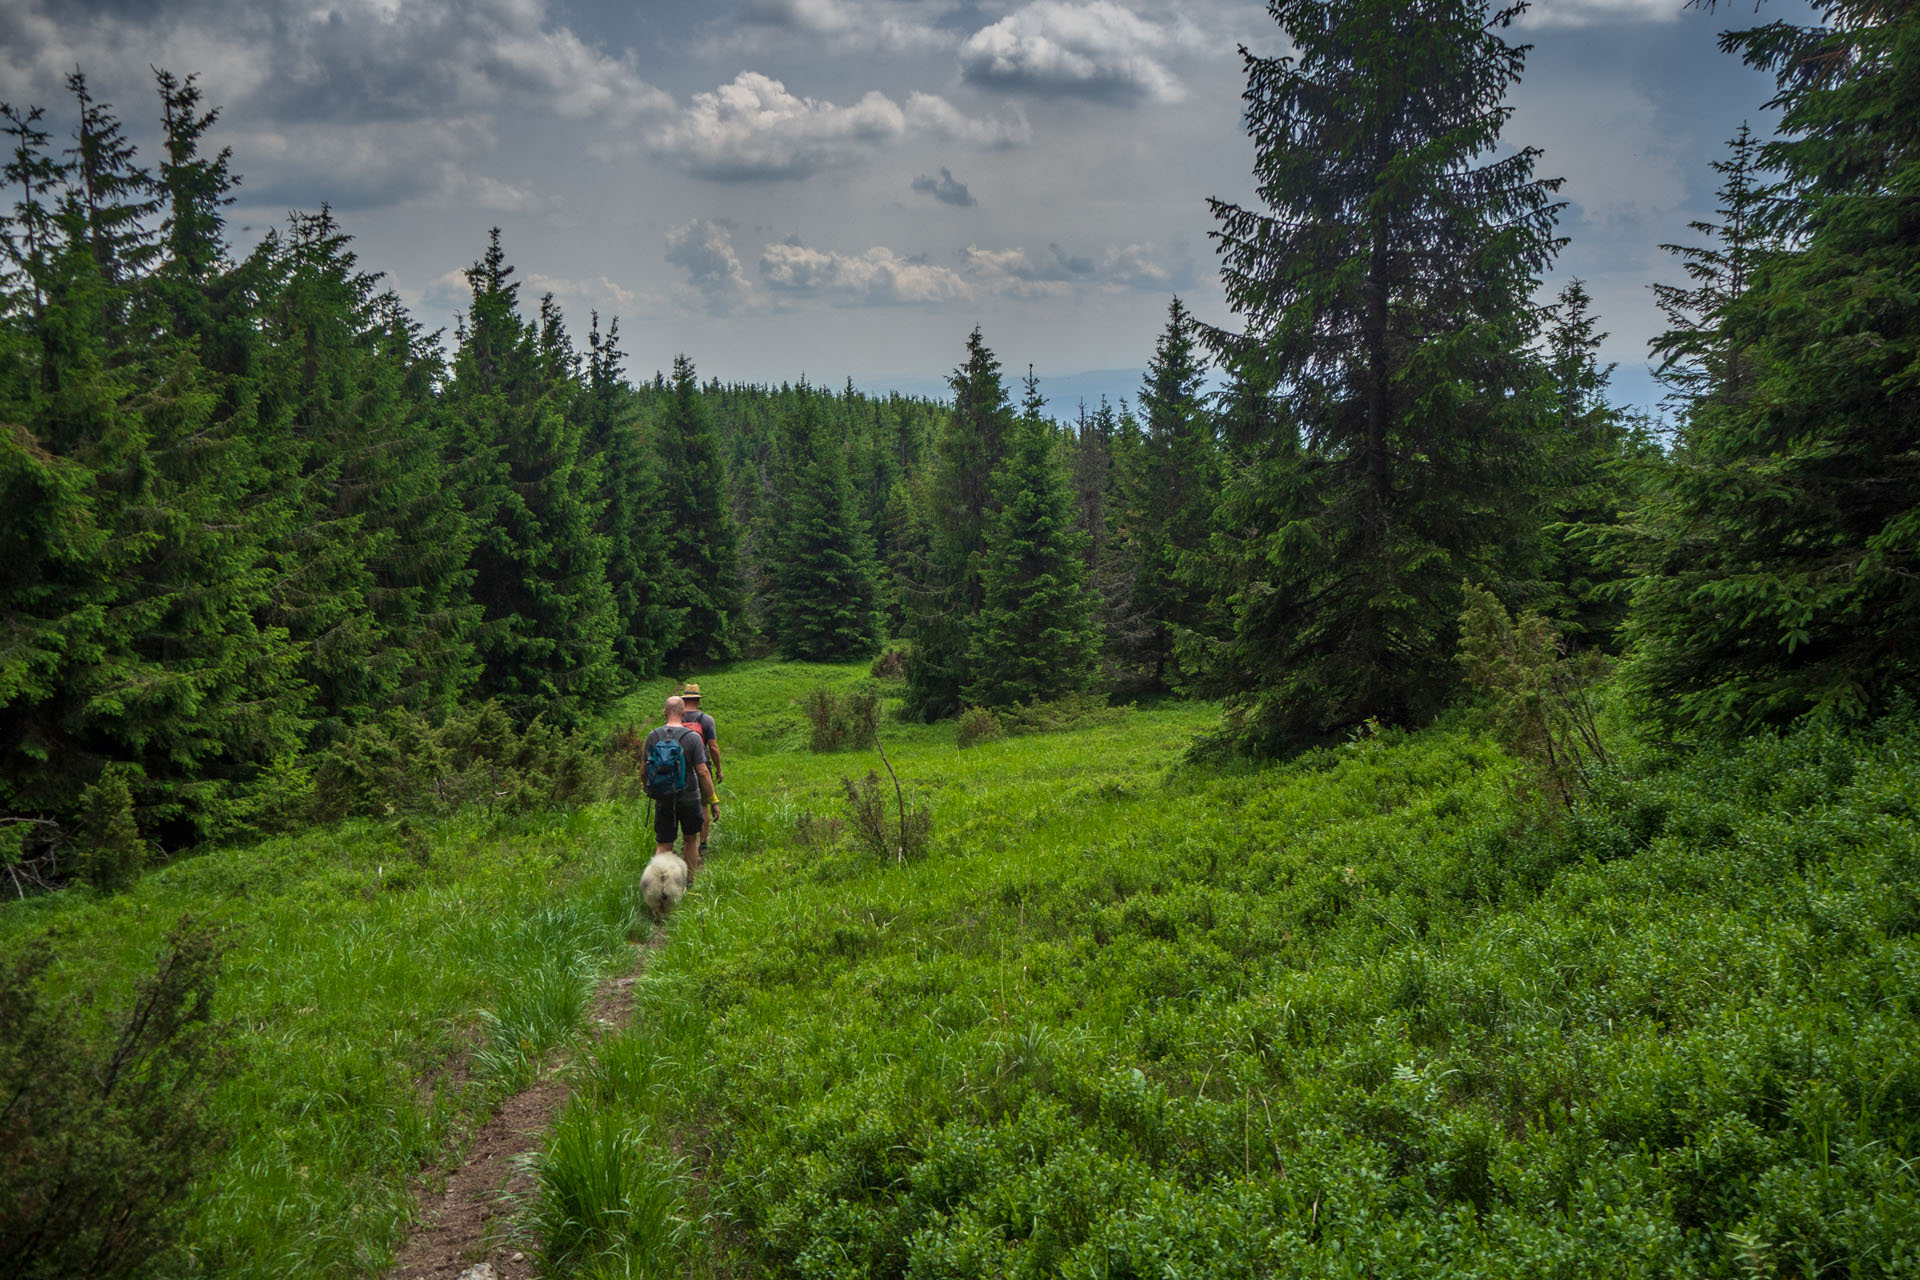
(666, 772)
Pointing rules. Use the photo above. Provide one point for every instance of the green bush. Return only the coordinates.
(105, 1129)
(890, 665)
(842, 720)
(977, 725)
(405, 764)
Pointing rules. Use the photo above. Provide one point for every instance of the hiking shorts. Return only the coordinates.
(683, 813)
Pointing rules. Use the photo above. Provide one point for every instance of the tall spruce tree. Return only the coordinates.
(1597, 469)
(539, 569)
(1787, 576)
(1385, 290)
(152, 662)
(377, 562)
(1035, 638)
(703, 545)
(945, 600)
(823, 567)
(1694, 357)
(1175, 482)
(629, 492)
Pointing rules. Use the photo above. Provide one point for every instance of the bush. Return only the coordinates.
(818, 833)
(1537, 694)
(890, 665)
(104, 1133)
(840, 720)
(404, 764)
(874, 831)
(111, 850)
(977, 724)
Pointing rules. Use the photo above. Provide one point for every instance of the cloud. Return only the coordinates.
(1100, 50)
(753, 130)
(945, 189)
(1057, 273)
(932, 114)
(704, 250)
(357, 101)
(1586, 13)
(845, 26)
(877, 277)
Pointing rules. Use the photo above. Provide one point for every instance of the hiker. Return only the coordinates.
(710, 738)
(679, 809)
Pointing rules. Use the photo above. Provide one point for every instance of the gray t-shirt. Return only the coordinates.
(692, 745)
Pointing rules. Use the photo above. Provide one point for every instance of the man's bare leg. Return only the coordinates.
(692, 846)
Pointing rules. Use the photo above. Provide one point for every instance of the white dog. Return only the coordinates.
(663, 884)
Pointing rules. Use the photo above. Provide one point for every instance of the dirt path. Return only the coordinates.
(460, 1233)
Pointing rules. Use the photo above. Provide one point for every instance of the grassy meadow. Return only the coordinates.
(1373, 1012)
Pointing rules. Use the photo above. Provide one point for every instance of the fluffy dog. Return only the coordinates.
(663, 884)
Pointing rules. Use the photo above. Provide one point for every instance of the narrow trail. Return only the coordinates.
(461, 1229)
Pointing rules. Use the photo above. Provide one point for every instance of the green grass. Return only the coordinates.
(1367, 1013)
(1370, 1012)
(364, 971)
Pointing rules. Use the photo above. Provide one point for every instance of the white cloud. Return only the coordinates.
(754, 129)
(1098, 49)
(844, 26)
(1016, 273)
(704, 250)
(357, 102)
(1586, 13)
(933, 114)
(878, 276)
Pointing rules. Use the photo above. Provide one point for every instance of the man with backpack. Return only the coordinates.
(677, 779)
(710, 738)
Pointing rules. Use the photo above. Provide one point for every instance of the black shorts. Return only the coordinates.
(684, 812)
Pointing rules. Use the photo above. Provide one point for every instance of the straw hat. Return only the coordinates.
(690, 693)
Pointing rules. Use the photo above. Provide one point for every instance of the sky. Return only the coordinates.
(843, 189)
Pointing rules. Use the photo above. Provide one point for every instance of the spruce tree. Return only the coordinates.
(948, 596)
(824, 569)
(539, 569)
(1175, 484)
(703, 546)
(162, 668)
(1786, 579)
(1035, 638)
(1694, 357)
(1597, 468)
(1385, 288)
(629, 491)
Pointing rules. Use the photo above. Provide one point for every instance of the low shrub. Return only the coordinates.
(405, 764)
(104, 1131)
(903, 836)
(842, 720)
(818, 833)
(977, 725)
(890, 665)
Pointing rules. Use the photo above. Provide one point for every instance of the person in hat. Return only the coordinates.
(710, 738)
(682, 813)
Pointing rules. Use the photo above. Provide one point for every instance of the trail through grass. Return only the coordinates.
(1368, 1013)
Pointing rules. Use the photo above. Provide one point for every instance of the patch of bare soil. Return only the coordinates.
(460, 1229)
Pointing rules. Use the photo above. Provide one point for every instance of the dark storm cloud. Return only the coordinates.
(945, 189)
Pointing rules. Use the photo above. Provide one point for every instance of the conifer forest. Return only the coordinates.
(1369, 803)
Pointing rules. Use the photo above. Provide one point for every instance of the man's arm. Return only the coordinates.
(705, 780)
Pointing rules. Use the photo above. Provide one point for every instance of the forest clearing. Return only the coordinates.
(1374, 797)
(1373, 1011)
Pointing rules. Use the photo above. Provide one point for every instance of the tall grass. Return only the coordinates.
(386, 988)
(1376, 1011)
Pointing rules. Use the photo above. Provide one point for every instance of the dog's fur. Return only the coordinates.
(663, 884)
